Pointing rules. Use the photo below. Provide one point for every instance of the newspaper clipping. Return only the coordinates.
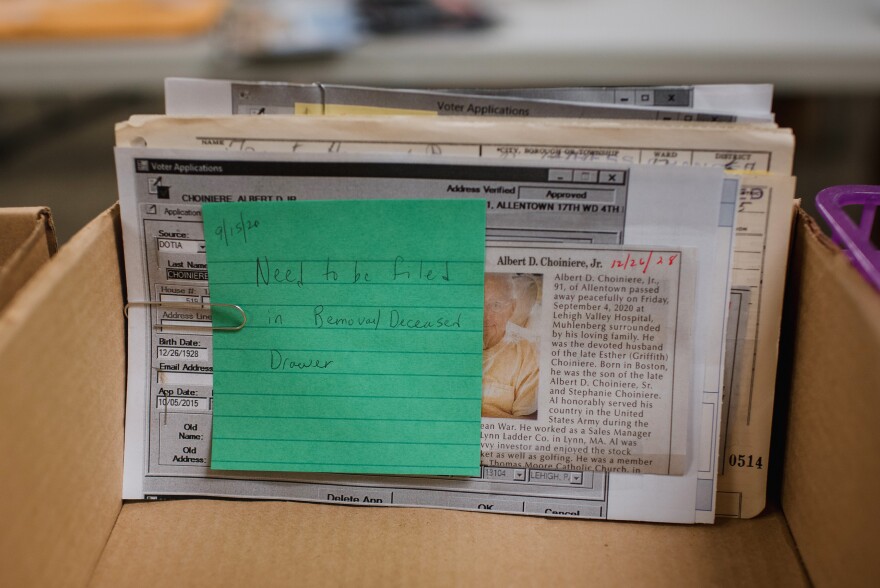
(585, 355)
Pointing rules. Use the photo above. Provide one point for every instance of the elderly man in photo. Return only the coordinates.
(510, 363)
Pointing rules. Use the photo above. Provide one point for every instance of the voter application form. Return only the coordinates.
(759, 155)
(605, 296)
(718, 103)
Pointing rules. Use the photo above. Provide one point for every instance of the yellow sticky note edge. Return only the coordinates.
(311, 108)
(308, 108)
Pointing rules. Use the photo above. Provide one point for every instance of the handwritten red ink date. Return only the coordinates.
(643, 262)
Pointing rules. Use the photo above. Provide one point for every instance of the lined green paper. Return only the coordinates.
(363, 347)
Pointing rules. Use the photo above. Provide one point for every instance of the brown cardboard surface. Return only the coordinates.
(62, 376)
(27, 240)
(831, 481)
(215, 543)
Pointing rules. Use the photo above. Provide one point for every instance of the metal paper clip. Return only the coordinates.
(192, 306)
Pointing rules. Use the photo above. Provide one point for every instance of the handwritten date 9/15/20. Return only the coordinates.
(644, 261)
(238, 229)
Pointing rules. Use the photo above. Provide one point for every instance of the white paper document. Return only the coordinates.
(648, 246)
(760, 155)
(611, 336)
(747, 99)
(722, 103)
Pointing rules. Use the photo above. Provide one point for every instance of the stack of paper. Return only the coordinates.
(562, 303)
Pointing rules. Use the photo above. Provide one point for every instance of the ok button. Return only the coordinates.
(486, 503)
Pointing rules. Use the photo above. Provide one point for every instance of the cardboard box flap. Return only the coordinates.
(832, 460)
(27, 240)
(62, 360)
(215, 543)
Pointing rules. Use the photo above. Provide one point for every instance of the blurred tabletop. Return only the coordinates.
(799, 45)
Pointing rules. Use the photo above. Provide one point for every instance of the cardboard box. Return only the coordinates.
(27, 240)
(62, 356)
(831, 479)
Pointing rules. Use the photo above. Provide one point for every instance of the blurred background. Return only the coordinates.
(70, 69)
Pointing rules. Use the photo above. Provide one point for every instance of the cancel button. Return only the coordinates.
(562, 509)
(566, 513)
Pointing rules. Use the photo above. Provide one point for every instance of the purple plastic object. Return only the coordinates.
(854, 240)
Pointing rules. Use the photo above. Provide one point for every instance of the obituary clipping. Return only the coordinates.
(587, 358)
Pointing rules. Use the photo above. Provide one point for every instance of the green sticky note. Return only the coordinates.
(362, 351)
